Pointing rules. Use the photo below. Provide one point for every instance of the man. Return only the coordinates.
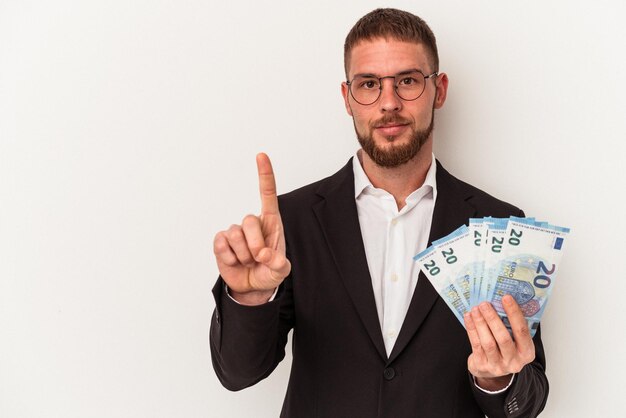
(332, 260)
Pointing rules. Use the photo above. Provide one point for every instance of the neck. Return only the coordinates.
(399, 181)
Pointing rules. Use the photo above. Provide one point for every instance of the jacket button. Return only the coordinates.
(389, 373)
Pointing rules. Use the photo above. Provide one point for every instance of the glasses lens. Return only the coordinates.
(410, 86)
(365, 90)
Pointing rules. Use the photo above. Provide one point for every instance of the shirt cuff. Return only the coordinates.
(494, 392)
(270, 299)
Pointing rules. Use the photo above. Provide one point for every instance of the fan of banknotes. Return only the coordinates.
(493, 257)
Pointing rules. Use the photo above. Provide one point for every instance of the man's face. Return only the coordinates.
(392, 130)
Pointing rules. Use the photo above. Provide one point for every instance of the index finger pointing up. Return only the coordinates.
(267, 185)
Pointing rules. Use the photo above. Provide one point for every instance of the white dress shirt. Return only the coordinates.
(391, 238)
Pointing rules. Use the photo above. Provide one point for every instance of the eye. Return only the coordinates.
(407, 81)
(368, 84)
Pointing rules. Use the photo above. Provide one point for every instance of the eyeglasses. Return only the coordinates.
(409, 86)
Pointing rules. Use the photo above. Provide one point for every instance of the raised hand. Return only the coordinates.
(495, 354)
(251, 257)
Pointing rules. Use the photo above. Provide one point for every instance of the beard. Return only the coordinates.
(394, 155)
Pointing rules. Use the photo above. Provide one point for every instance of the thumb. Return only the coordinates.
(275, 261)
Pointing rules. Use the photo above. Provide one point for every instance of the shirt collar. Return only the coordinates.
(362, 182)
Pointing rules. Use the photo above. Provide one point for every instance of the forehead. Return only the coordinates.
(387, 56)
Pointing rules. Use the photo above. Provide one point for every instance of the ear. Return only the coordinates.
(345, 92)
(441, 84)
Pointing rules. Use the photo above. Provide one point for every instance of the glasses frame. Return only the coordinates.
(395, 86)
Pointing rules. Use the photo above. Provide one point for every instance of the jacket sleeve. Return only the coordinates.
(527, 395)
(248, 342)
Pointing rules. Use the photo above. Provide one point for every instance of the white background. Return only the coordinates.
(128, 131)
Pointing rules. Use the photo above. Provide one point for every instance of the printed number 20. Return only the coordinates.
(449, 256)
(432, 268)
(543, 280)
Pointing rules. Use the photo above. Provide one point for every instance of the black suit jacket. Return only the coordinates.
(340, 367)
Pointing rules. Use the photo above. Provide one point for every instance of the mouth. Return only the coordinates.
(391, 129)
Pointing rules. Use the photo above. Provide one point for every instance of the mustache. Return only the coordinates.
(390, 120)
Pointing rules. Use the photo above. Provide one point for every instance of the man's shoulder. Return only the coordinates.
(484, 203)
(312, 193)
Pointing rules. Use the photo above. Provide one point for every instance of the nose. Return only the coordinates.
(389, 100)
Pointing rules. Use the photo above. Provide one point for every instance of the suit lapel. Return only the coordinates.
(338, 217)
(451, 211)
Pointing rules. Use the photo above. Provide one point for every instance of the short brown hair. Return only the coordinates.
(391, 24)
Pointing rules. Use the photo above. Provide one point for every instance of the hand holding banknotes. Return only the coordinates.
(496, 276)
(251, 257)
(495, 354)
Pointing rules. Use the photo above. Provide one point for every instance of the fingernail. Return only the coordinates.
(264, 255)
(507, 299)
(484, 306)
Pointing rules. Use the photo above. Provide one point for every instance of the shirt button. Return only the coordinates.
(394, 277)
(394, 222)
(389, 373)
(391, 333)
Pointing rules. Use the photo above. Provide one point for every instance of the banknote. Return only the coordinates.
(458, 251)
(434, 266)
(492, 257)
(478, 234)
(529, 263)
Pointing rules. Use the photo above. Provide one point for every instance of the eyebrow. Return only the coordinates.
(372, 75)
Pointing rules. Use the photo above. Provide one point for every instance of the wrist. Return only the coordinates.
(252, 298)
(493, 383)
